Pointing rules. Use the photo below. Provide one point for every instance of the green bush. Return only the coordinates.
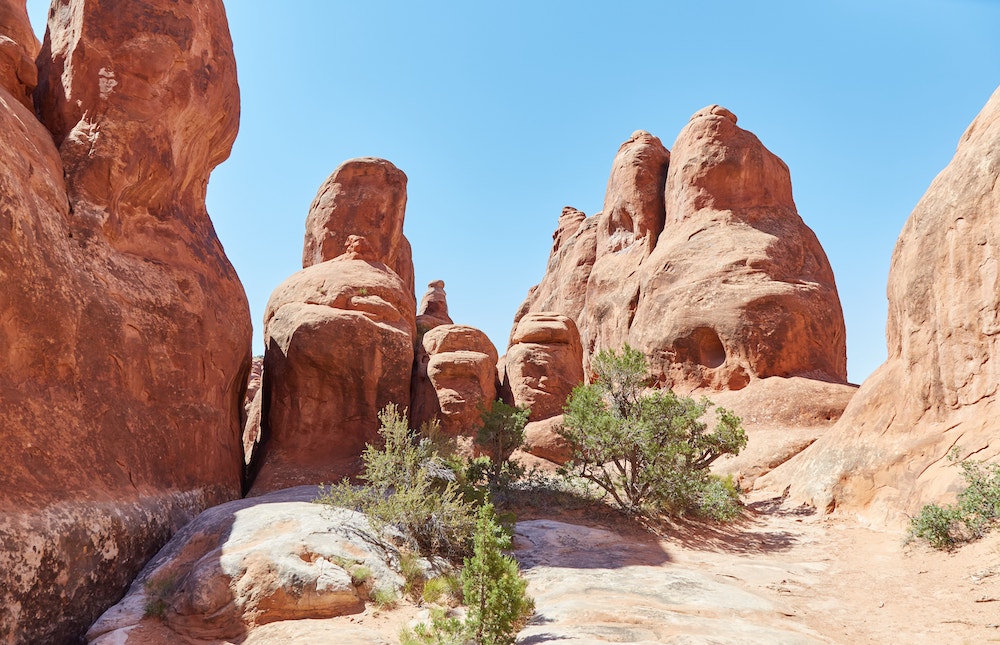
(649, 451)
(410, 487)
(498, 606)
(498, 436)
(971, 517)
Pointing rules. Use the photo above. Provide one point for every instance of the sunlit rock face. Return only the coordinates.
(938, 387)
(125, 333)
(339, 339)
(700, 260)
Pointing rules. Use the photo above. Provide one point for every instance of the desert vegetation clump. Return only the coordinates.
(972, 516)
(493, 589)
(649, 450)
(500, 433)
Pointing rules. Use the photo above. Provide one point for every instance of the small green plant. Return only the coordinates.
(445, 589)
(158, 590)
(360, 574)
(971, 517)
(649, 451)
(413, 575)
(407, 487)
(384, 597)
(495, 593)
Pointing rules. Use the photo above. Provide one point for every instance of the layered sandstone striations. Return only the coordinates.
(125, 334)
(544, 363)
(339, 339)
(939, 386)
(700, 260)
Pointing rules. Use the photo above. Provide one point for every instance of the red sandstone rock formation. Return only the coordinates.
(700, 260)
(938, 387)
(18, 49)
(125, 339)
(364, 197)
(339, 341)
(433, 309)
(455, 374)
(543, 364)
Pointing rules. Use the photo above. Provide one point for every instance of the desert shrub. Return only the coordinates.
(445, 589)
(649, 451)
(495, 593)
(500, 433)
(158, 591)
(384, 597)
(410, 487)
(972, 516)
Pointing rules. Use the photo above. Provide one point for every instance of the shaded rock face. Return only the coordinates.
(938, 387)
(455, 374)
(365, 197)
(433, 309)
(125, 339)
(339, 339)
(249, 563)
(543, 364)
(699, 260)
(18, 49)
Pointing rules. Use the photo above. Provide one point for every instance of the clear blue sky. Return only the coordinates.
(502, 113)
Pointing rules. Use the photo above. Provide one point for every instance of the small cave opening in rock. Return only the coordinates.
(705, 348)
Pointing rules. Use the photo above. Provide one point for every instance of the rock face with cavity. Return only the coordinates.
(700, 261)
(339, 341)
(125, 335)
(455, 374)
(938, 387)
(366, 197)
(544, 363)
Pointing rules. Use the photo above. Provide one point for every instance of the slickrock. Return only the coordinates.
(938, 387)
(339, 339)
(251, 563)
(365, 197)
(18, 49)
(126, 334)
(455, 374)
(700, 260)
(433, 309)
(544, 363)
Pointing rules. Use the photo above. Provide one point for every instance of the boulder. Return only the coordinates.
(543, 364)
(455, 375)
(125, 339)
(938, 387)
(18, 49)
(365, 197)
(433, 309)
(249, 563)
(542, 439)
(339, 339)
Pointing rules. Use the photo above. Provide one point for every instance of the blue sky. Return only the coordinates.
(503, 113)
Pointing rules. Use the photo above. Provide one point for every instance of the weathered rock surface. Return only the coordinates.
(18, 49)
(564, 286)
(433, 309)
(339, 339)
(455, 374)
(125, 338)
(591, 586)
(365, 197)
(717, 279)
(249, 563)
(938, 387)
(544, 363)
(542, 439)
